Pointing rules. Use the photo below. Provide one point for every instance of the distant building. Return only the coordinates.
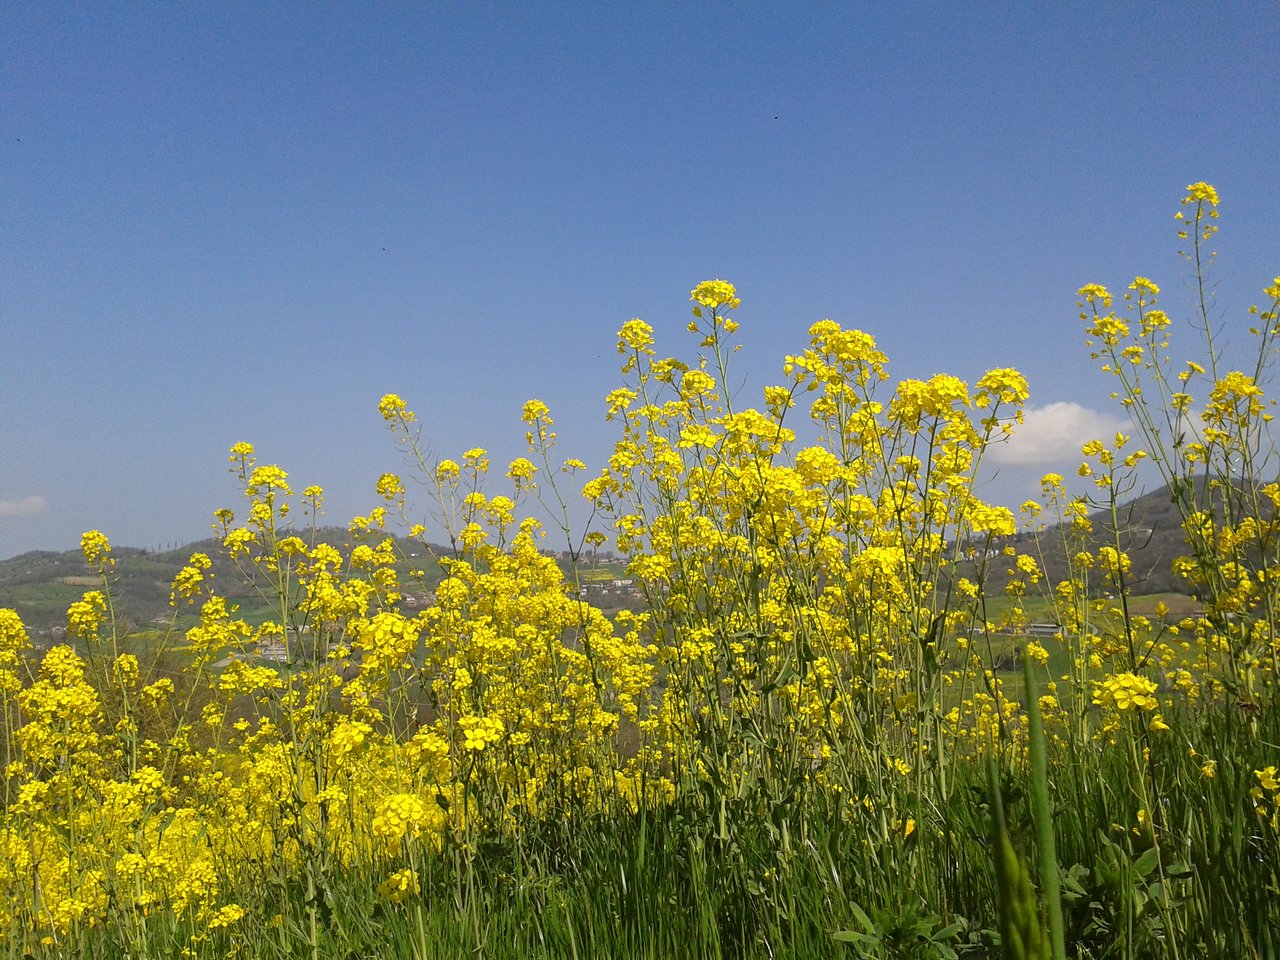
(274, 651)
(1042, 629)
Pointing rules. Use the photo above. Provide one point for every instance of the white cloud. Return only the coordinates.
(26, 507)
(1054, 433)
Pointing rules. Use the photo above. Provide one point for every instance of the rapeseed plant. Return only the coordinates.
(799, 725)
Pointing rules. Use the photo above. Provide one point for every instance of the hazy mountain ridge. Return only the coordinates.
(39, 584)
(1150, 531)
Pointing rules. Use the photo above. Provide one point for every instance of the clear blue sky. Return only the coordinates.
(233, 221)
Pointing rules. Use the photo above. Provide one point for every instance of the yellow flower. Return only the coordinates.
(635, 335)
(346, 738)
(480, 731)
(390, 486)
(1004, 384)
(715, 293)
(535, 410)
(1201, 193)
(226, 916)
(1126, 691)
(399, 885)
(13, 636)
(399, 815)
(94, 546)
(393, 408)
(125, 670)
(522, 469)
(84, 616)
(268, 480)
(237, 542)
(1095, 293)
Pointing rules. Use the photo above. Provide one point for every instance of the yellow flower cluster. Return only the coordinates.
(399, 815)
(94, 546)
(1126, 691)
(398, 886)
(816, 578)
(480, 732)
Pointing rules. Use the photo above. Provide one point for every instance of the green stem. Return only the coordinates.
(1044, 817)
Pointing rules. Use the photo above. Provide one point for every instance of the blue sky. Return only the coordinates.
(229, 222)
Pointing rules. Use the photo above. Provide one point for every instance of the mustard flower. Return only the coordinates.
(1144, 286)
(237, 542)
(225, 916)
(535, 410)
(394, 409)
(898, 765)
(480, 731)
(399, 885)
(157, 694)
(94, 546)
(521, 469)
(998, 521)
(696, 383)
(62, 666)
(1126, 691)
(635, 336)
(13, 636)
(399, 815)
(1201, 193)
(390, 486)
(619, 400)
(240, 678)
(268, 479)
(1004, 384)
(389, 639)
(715, 293)
(1116, 563)
(1095, 293)
(347, 737)
(85, 615)
(124, 670)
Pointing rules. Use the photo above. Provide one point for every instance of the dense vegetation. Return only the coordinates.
(798, 747)
(39, 585)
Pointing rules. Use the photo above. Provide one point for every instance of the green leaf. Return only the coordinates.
(1179, 868)
(853, 936)
(1146, 863)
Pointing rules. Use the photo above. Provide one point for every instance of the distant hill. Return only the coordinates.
(41, 584)
(1150, 531)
